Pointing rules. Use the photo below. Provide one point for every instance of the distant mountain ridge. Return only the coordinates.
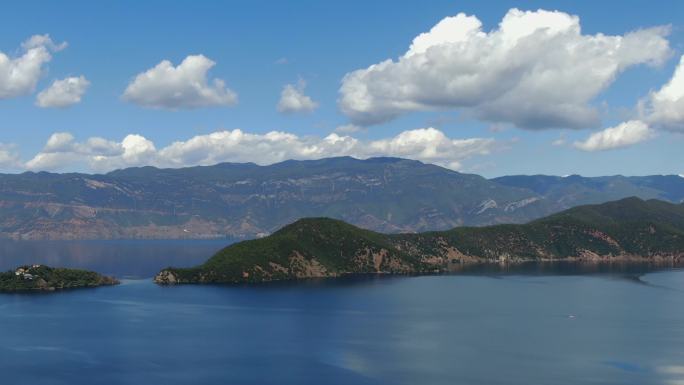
(572, 190)
(244, 200)
(628, 230)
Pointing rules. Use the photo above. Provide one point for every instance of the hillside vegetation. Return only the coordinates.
(626, 230)
(34, 278)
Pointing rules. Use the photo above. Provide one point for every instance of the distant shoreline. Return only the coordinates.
(550, 267)
(44, 279)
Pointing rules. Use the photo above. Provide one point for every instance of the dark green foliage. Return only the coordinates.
(333, 243)
(629, 227)
(44, 278)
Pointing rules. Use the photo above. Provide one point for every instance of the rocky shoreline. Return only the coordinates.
(626, 231)
(585, 264)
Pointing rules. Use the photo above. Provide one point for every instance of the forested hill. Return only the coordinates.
(629, 230)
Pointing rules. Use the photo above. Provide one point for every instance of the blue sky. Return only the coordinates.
(259, 47)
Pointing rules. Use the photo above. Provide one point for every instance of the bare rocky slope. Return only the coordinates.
(247, 201)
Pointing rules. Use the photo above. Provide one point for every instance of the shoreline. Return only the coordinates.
(564, 266)
(33, 279)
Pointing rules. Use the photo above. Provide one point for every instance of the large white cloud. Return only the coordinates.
(63, 93)
(665, 108)
(536, 70)
(623, 135)
(293, 99)
(427, 144)
(19, 75)
(183, 86)
(62, 152)
(430, 145)
(662, 109)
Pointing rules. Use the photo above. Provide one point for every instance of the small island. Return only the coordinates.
(40, 278)
(625, 231)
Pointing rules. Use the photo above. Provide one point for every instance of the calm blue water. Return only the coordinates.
(129, 258)
(608, 328)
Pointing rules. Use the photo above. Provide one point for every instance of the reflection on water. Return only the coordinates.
(673, 374)
(560, 268)
(127, 258)
(488, 325)
(438, 330)
(144, 258)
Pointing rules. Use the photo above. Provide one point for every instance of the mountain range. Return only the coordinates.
(246, 200)
(628, 230)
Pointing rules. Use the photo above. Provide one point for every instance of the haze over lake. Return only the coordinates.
(122, 258)
(487, 327)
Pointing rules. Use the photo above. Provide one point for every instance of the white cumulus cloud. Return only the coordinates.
(19, 75)
(63, 152)
(622, 135)
(665, 108)
(536, 70)
(9, 157)
(662, 109)
(183, 86)
(293, 99)
(426, 144)
(63, 93)
(431, 145)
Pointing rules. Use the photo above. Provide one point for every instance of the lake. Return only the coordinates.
(529, 326)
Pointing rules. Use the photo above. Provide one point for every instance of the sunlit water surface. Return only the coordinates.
(536, 325)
